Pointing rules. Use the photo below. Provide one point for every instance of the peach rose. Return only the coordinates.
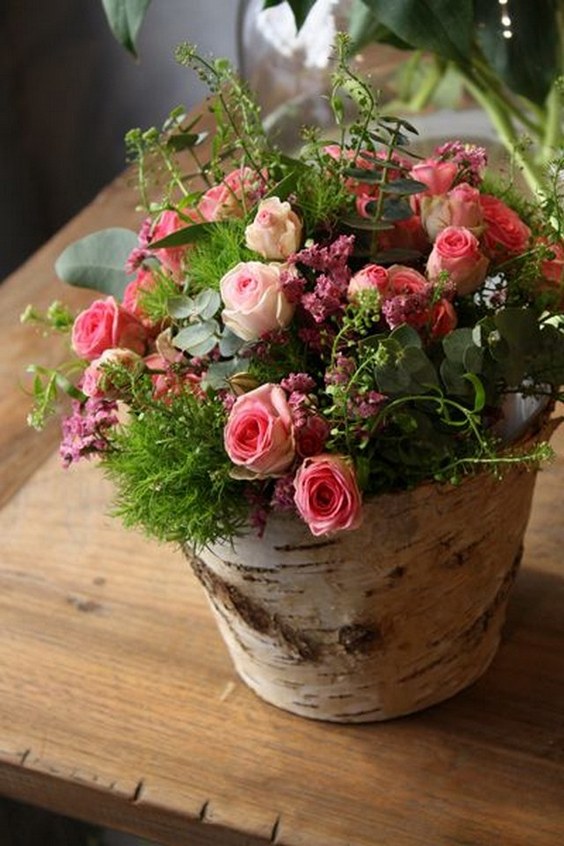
(276, 231)
(326, 494)
(458, 207)
(505, 233)
(259, 434)
(372, 276)
(133, 295)
(96, 381)
(105, 325)
(457, 251)
(254, 300)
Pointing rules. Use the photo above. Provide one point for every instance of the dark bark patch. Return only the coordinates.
(357, 638)
(252, 613)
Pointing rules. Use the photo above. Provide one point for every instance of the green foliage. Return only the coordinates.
(47, 387)
(125, 18)
(97, 261)
(210, 259)
(172, 474)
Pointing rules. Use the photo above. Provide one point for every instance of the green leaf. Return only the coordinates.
(185, 140)
(365, 29)
(180, 307)
(198, 338)
(125, 18)
(207, 303)
(440, 26)
(403, 187)
(530, 60)
(300, 8)
(98, 260)
(188, 235)
(230, 344)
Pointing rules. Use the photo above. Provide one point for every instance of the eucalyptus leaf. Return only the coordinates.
(181, 307)
(230, 343)
(98, 260)
(207, 303)
(197, 336)
(403, 186)
(396, 209)
(218, 373)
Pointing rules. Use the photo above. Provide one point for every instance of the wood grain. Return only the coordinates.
(119, 704)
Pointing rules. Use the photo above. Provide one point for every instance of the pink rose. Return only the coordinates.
(255, 302)
(133, 295)
(372, 276)
(442, 319)
(240, 187)
(437, 175)
(458, 207)
(104, 325)
(326, 494)
(553, 268)
(170, 257)
(276, 231)
(505, 234)
(405, 280)
(169, 382)
(259, 434)
(457, 251)
(96, 380)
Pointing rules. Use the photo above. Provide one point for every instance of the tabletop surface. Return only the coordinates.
(119, 705)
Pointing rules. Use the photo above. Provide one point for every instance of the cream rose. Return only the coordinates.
(254, 300)
(276, 231)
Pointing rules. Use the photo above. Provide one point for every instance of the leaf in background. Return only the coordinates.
(98, 260)
(125, 18)
(300, 8)
(528, 62)
(364, 28)
(441, 26)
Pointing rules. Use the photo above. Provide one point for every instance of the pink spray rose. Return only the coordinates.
(372, 276)
(170, 257)
(276, 231)
(96, 380)
(239, 188)
(505, 233)
(442, 319)
(457, 251)
(104, 325)
(259, 434)
(327, 495)
(437, 175)
(553, 268)
(254, 300)
(458, 207)
(133, 295)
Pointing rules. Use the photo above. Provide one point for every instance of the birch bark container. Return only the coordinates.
(382, 621)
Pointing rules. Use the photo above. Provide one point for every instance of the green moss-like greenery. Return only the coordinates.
(171, 473)
(212, 257)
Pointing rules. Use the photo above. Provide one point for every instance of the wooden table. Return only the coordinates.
(118, 703)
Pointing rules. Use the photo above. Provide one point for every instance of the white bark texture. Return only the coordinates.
(382, 621)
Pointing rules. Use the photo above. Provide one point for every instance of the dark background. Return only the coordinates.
(69, 93)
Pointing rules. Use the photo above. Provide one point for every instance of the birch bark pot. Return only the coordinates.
(388, 619)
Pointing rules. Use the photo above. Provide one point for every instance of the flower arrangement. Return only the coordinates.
(300, 333)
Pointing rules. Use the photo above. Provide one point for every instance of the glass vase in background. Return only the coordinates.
(290, 71)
